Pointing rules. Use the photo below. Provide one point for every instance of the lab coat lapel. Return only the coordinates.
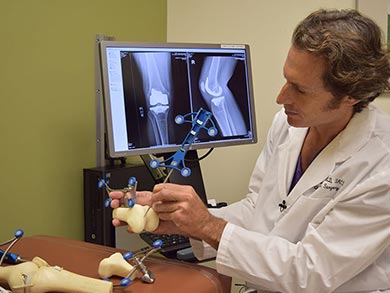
(318, 170)
(289, 152)
(337, 151)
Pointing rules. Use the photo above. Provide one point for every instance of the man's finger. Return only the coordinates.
(170, 192)
(116, 194)
(115, 203)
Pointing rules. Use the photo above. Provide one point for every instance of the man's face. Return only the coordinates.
(306, 101)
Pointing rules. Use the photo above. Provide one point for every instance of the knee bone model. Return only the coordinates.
(138, 218)
(39, 277)
(115, 265)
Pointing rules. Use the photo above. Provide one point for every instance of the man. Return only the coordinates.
(317, 215)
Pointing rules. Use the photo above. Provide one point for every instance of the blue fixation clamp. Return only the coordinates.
(137, 258)
(130, 188)
(202, 117)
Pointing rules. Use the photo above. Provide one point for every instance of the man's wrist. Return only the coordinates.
(213, 230)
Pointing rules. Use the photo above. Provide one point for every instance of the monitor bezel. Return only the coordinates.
(163, 149)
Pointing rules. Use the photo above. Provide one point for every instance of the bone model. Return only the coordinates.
(137, 220)
(115, 265)
(38, 277)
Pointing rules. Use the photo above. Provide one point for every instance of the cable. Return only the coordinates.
(201, 158)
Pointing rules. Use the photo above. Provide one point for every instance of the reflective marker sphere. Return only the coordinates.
(212, 131)
(154, 163)
(179, 119)
(127, 255)
(101, 183)
(132, 181)
(131, 202)
(19, 233)
(125, 282)
(107, 202)
(157, 243)
(185, 172)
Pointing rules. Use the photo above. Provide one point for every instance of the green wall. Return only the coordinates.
(47, 103)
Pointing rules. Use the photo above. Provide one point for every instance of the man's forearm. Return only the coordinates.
(212, 231)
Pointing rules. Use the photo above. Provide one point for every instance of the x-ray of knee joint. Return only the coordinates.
(155, 70)
(213, 83)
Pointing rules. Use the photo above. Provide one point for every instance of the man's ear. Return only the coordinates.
(350, 101)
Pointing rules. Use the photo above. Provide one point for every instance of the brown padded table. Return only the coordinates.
(83, 258)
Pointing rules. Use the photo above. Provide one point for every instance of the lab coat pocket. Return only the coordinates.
(294, 221)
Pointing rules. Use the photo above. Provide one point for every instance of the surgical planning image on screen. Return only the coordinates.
(157, 86)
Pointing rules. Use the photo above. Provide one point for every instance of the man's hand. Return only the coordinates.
(181, 206)
(141, 197)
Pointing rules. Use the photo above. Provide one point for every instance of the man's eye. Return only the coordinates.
(297, 89)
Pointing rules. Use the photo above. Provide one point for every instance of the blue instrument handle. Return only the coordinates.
(10, 258)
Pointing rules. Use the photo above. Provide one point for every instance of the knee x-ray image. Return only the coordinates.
(215, 75)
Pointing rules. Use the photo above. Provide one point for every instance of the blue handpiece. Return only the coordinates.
(10, 258)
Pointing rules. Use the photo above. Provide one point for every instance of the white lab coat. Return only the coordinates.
(334, 235)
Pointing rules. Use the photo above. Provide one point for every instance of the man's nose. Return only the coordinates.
(283, 96)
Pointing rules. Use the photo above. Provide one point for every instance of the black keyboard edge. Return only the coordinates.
(167, 251)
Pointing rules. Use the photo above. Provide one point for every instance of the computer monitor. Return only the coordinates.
(146, 85)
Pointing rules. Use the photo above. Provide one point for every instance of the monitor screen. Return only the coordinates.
(146, 85)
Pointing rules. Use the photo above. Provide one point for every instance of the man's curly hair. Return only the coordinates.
(357, 63)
